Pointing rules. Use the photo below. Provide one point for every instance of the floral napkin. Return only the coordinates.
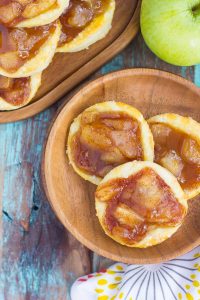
(178, 279)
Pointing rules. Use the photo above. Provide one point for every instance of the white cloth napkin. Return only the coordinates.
(178, 279)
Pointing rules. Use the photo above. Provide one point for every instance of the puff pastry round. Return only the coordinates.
(30, 13)
(15, 93)
(106, 135)
(177, 148)
(94, 31)
(140, 204)
(16, 61)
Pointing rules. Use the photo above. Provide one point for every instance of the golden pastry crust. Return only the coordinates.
(185, 125)
(111, 106)
(94, 32)
(35, 82)
(41, 60)
(155, 234)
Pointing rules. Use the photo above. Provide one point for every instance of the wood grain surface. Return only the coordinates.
(42, 260)
(69, 69)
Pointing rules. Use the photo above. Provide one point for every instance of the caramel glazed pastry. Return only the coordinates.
(27, 51)
(177, 148)
(84, 23)
(140, 204)
(24, 53)
(30, 31)
(107, 135)
(17, 92)
(29, 34)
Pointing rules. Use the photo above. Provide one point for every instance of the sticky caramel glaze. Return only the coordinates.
(163, 211)
(106, 140)
(17, 11)
(78, 16)
(175, 140)
(17, 92)
(18, 45)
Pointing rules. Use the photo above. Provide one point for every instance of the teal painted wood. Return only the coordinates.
(40, 258)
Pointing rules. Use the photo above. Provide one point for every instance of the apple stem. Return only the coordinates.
(196, 10)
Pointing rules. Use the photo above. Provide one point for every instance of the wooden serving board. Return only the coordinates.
(72, 198)
(69, 69)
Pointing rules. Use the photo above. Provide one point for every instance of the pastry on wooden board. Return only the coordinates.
(140, 204)
(106, 135)
(30, 32)
(30, 13)
(177, 148)
(27, 51)
(17, 92)
(84, 23)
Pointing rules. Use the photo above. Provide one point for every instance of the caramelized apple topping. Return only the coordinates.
(17, 45)
(78, 15)
(177, 152)
(15, 91)
(14, 11)
(106, 140)
(136, 203)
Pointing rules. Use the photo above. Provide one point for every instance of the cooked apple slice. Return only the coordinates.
(125, 215)
(160, 133)
(9, 12)
(173, 162)
(80, 16)
(113, 156)
(108, 191)
(191, 151)
(126, 142)
(95, 137)
(10, 61)
(32, 9)
(120, 124)
(130, 226)
(5, 83)
(150, 198)
(146, 191)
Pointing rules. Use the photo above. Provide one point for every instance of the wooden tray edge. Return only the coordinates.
(54, 95)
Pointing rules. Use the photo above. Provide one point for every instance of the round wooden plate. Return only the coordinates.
(151, 91)
(71, 68)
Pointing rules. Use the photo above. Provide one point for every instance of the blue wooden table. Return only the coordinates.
(40, 259)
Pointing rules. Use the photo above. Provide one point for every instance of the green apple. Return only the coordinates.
(171, 29)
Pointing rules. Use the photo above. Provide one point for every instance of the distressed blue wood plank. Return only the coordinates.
(41, 257)
(116, 64)
(197, 75)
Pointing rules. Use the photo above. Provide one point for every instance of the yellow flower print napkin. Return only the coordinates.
(178, 279)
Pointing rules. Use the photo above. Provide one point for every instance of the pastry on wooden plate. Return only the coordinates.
(106, 135)
(84, 23)
(26, 51)
(140, 204)
(17, 92)
(30, 13)
(177, 148)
